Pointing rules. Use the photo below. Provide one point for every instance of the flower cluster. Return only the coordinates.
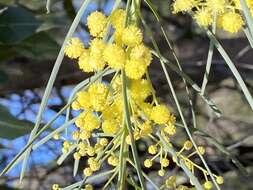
(227, 14)
(101, 127)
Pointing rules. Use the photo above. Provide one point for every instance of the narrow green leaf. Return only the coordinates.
(247, 16)
(52, 80)
(232, 68)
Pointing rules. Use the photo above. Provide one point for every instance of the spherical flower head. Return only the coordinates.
(118, 36)
(187, 145)
(103, 142)
(183, 5)
(75, 135)
(203, 17)
(88, 187)
(201, 150)
(113, 160)
(91, 122)
(135, 69)
(55, 187)
(84, 62)
(118, 18)
(165, 162)
(87, 172)
(161, 172)
(216, 6)
(82, 145)
(97, 23)
(74, 48)
(110, 126)
(146, 109)
(115, 56)
(83, 98)
(140, 89)
(208, 185)
(90, 151)
(96, 59)
(152, 149)
(132, 36)
(141, 52)
(232, 22)
(77, 156)
(94, 165)
(170, 129)
(160, 114)
(99, 93)
(75, 105)
(85, 134)
(148, 163)
(220, 180)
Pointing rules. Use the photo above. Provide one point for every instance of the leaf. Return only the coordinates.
(16, 24)
(39, 46)
(12, 127)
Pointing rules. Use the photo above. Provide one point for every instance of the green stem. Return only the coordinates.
(130, 131)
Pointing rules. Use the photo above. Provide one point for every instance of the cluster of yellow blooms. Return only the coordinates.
(227, 14)
(101, 105)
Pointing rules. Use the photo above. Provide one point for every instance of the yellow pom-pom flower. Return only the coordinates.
(141, 52)
(115, 56)
(183, 5)
(97, 23)
(216, 6)
(98, 96)
(203, 17)
(208, 185)
(97, 47)
(82, 98)
(132, 36)
(220, 180)
(232, 22)
(148, 163)
(74, 48)
(160, 114)
(140, 89)
(110, 126)
(135, 69)
(85, 63)
(90, 122)
(118, 18)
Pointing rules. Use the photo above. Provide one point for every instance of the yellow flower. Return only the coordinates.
(99, 92)
(183, 5)
(160, 114)
(220, 180)
(232, 22)
(83, 98)
(148, 163)
(88, 187)
(96, 60)
(203, 17)
(74, 48)
(140, 89)
(90, 122)
(165, 162)
(97, 24)
(113, 160)
(85, 63)
(135, 69)
(117, 18)
(87, 172)
(110, 126)
(85, 134)
(141, 52)
(118, 36)
(132, 36)
(55, 187)
(152, 149)
(217, 6)
(187, 145)
(208, 185)
(115, 56)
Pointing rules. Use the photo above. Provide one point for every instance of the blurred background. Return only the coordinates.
(30, 40)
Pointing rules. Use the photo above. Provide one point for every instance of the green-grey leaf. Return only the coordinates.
(16, 24)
